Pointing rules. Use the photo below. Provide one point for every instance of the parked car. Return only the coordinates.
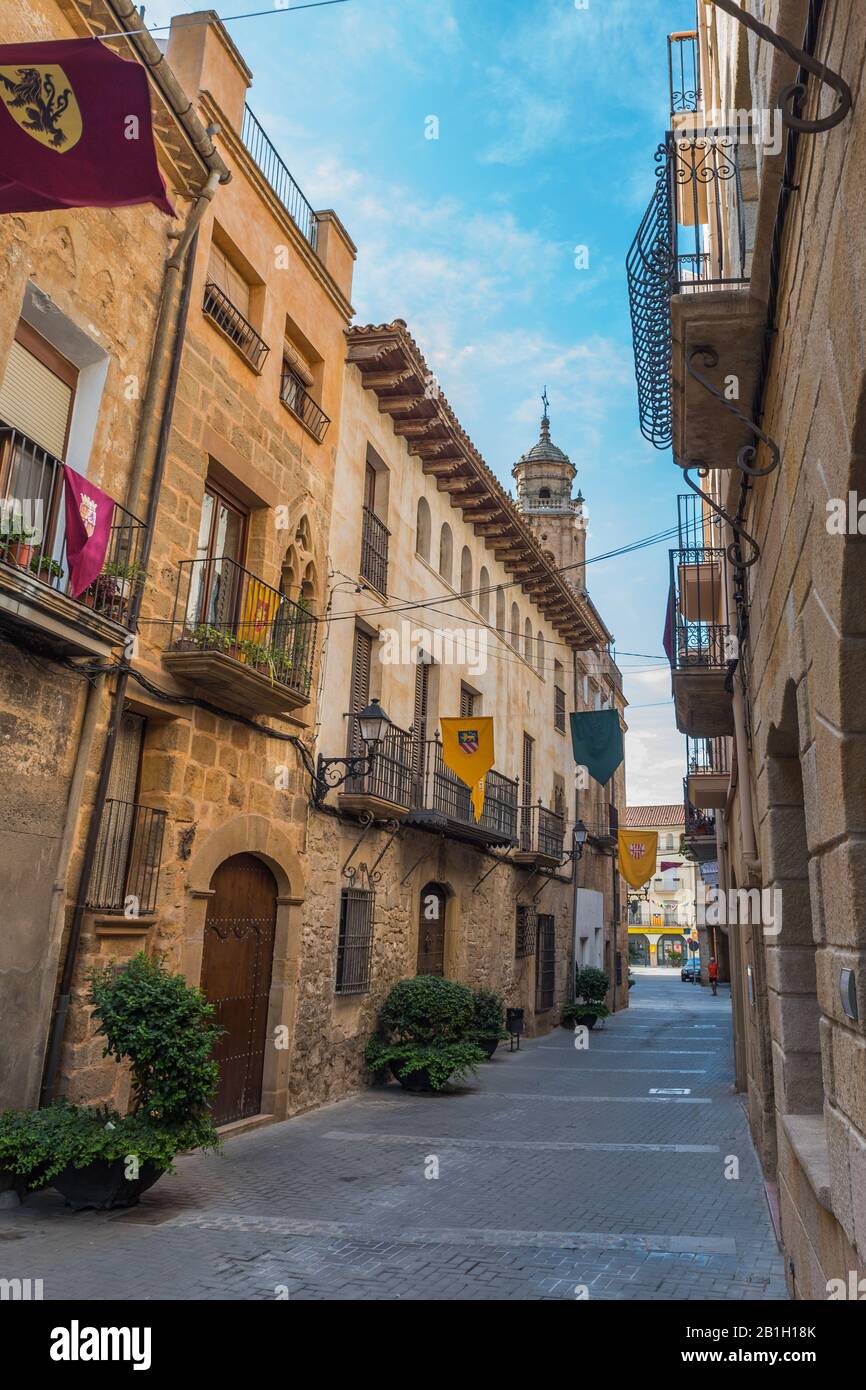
(691, 969)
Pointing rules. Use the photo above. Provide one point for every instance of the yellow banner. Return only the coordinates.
(467, 749)
(636, 852)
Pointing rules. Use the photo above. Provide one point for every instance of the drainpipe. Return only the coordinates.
(167, 350)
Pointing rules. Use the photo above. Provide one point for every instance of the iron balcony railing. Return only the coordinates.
(700, 825)
(684, 72)
(393, 771)
(220, 310)
(439, 790)
(691, 239)
(221, 607)
(277, 175)
(295, 396)
(699, 626)
(374, 550)
(125, 873)
(707, 756)
(541, 831)
(33, 531)
(699, 528)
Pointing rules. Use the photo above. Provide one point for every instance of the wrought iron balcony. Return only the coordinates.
(241, 638)
(691, 240)
(684, 72)
(708, 772)
(442, 802)
(125, 873)
(542, 836)
(34, 573)
(241, 334)
(388, 789)
(700, 830)
(374, 550)
(277, 175)
(698, 642)
(296, 398)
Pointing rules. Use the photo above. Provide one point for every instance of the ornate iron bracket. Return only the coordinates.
(789, 96)
(394, 827)
(350, 872)
(333, 772)
(503, 859)
(734, 552)
(425, 854)
(748, 453)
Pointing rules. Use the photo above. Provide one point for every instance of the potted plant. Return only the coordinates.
(16, 545)
(425, 1034)
(487, 1021)
(590, 988)
(102, 595)
(162, 1027)
(45, 568)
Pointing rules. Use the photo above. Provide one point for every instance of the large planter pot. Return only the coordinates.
(586, 1020)
(488, 1046)
(19, 1183)
(418, 1081)
(102, 1185)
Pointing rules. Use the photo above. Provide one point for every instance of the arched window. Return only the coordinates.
(446, 552)
(422, 529)
(539, 654)
(484, 595)
(515, 627)
(500, 611)
(527, 640)
(466, 571)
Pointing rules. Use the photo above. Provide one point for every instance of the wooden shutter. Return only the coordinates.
(419, 720)
(359, 693)
(34, 400)
(467, 703)
(527, 769)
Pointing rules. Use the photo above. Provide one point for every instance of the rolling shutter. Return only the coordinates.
(35, 401)
(229, 280)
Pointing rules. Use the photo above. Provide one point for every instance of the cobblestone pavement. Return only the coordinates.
(559, 1171)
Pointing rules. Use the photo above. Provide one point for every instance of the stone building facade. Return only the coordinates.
(661, 920)
(446, 600)
(83, 295)
(766, 393)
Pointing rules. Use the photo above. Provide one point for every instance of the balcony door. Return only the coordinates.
(526, 818)
(431, 930)
(545, 962)
(214, 589)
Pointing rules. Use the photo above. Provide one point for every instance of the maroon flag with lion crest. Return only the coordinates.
(75, 129)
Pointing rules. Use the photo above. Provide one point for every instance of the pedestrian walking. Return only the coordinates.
(713, 974)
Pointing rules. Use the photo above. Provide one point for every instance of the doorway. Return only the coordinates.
(236, 979)
(431, 930)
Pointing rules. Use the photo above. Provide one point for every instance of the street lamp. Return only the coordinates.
(578, 836)
(373, 725)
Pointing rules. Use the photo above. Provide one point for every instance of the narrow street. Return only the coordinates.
(559, 1168)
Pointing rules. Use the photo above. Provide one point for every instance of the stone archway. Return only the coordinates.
(271, 844)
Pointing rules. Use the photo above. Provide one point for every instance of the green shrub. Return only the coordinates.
(576, 1013)
(426, 1024)
(162, 1026)
(489, 1015)
(590, 985)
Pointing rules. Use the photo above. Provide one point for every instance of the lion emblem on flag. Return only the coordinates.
(87, 510)
(468, 740)
(41, 101)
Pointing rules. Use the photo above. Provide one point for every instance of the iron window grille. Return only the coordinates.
(525, 930)
(355, 941)
(125, 873)
(296, 398)
(546, 980)
(374, 550)
(239, 331)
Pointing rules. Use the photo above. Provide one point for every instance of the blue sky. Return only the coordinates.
(548, 116)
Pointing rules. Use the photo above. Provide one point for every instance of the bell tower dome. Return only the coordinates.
(544, 477)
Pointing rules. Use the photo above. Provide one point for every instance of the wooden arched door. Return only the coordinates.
(431, 930)
(236, 978)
